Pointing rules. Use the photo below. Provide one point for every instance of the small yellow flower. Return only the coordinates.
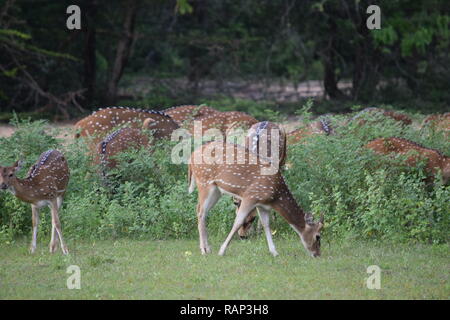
(188, 253)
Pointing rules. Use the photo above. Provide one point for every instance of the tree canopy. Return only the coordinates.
(46, 66)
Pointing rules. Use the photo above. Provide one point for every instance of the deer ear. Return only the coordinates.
(18, 165)
(319, 226)
(148, 123)
(309, 219)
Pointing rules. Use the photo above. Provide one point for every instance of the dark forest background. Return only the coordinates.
(159, 53)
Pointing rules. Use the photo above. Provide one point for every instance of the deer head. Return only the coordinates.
(311, 235)
(7, 174)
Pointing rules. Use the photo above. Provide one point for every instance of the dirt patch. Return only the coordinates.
(65, 130)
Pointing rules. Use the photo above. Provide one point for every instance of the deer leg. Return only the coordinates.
(207, 199)
(59, 201)
(56, 229)
(264, 216)
(35, 219)
(244, 209)
(246, 226)
(55, 239)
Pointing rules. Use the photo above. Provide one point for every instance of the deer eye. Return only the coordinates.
(10, 175)
(318, 238)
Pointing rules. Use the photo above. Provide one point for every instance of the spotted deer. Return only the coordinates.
(214, 170)
(259, 140)
(321, 126)
(435, 160)
(187, 113)
(223, 121)
(45, 185)
(440, 122)
(101, 122)
(125, 139)
(404, 119)
(117, 142)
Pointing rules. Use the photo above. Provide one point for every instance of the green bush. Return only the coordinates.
(363, 195)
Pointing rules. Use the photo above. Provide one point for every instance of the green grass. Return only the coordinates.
(175, 269)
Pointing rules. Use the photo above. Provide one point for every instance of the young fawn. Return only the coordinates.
(218, 168)
(45, 185)
(435, 160)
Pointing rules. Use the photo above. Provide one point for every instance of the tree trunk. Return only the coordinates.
(329, 78)
(365, 77)
(90, 68)
(122, 52)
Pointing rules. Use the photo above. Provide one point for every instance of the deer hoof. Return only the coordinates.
(52, 248)
(205, 250)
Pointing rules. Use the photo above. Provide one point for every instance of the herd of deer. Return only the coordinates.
(254, 191)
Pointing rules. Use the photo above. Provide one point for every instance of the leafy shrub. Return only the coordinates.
(363, 195)
(367, 195)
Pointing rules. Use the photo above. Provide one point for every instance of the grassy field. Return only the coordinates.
(174, 269)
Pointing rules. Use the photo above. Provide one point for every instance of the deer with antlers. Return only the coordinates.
(217, 168)
(263, 138)
(45, 185)
(101, 122)
(435, 160)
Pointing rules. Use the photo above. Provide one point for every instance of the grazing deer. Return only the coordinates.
(387, 113)
(223, 121)
(244, 179)
(124, 139)
(101, 122)
(259, 140)
(117, 142)
(237, 119)
(188, 113)
(321, 126)
(439, 122)
(45, 185)
(434, 158)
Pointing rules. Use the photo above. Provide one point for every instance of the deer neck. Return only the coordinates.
(287, 206)
(22, 189)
